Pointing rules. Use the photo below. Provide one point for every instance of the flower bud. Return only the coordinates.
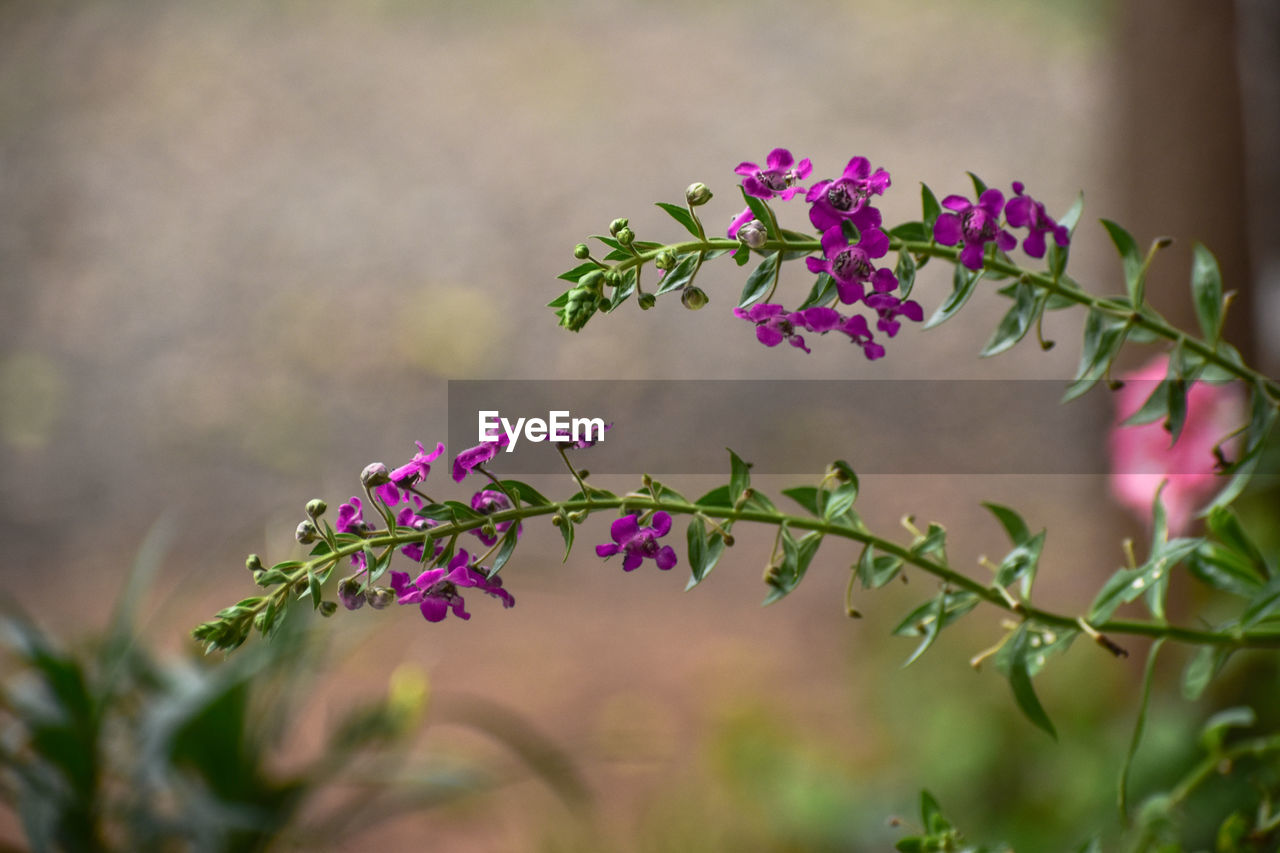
(582, 251)
(647, 300)
(306, 532)
(753, 234)
(253, 563)
(316, 508)
(380, 597)
(694, 298)
(350, 594)
(328, 608)
(579, 308)
(665, 260)
(697, 194)
(592, 281)
(617, 225)
(626, 236)
(374, 474)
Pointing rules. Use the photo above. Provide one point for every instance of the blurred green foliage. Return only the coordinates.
(107, 747)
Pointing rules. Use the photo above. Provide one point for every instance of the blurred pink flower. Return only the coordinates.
(1142, 457)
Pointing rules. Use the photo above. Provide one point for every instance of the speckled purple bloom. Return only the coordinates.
(975, 225)
(1022, 211)
(774, 325)
(780, 178)
(846, 197)
(639, 543)
(411, 473)
(890, 308)
(466, 461)
(435, 591)
(851, 266)
(487, 502)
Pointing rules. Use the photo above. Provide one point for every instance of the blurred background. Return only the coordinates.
(244, 246)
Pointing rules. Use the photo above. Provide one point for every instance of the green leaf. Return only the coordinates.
(963, 283)
(933, 542)
(566, 532)
(666, 493)
(1155, 408)
(874, 572)
(930, 209)
(840, 501)
(681, 215)
(1222, 568)
(741, 255)
(1012, 523)
(1225, 525)
(797, 555)
(928, 619)
(1103, 337)
(761, 210)
(1147, 678)
(1058, 255)
(822, 293)
(1016, 323)
(527, 494)
(717, 497)
(505, 549)
(313, 586)
(739, 477)
(1020, 680)
(576, 274)
(1201, 669)
(1216, 727)
(906, 273)
(1021, 563)
(760, 280)
(911, 232)
(806, 496)
(931, 815)
(680, 275)
(1206, 291)
(979, 187)
(703, 555)
(624, 290)
(1133, 267)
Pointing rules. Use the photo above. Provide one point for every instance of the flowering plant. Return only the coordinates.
(848, 284)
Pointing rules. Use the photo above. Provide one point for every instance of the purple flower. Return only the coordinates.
(408, 517)
(974, 224)
(851, 266)
(890, 307)
(774, 324)
(857, 330)
(487, 502)
(351, 520)
(583, 443)
(639, 543)
(846, 197)
(468, 459)
(780, 178)
(415, 471)
(1022, 211)
(435, 591)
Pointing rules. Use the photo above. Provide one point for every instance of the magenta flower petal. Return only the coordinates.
(947, 230)
(632, 561)
(666, 558)
(660, 524)
(624, 529)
